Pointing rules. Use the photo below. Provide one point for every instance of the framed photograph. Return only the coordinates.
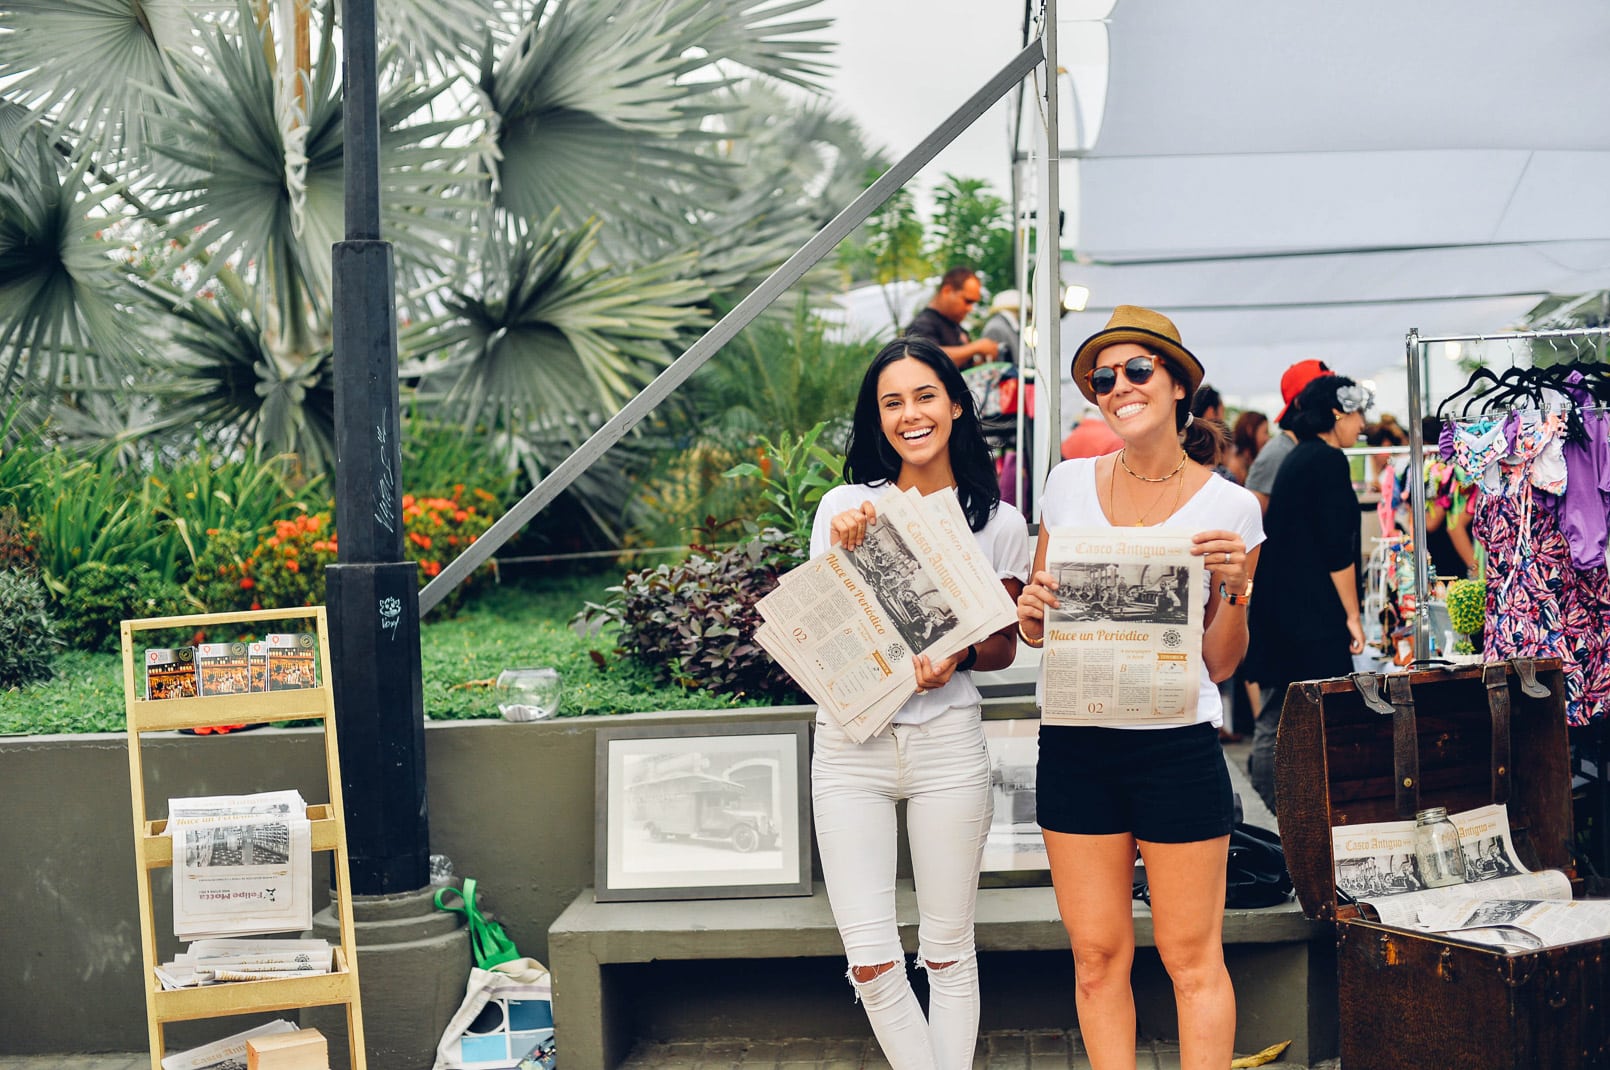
(706, 811)
(1014, 854)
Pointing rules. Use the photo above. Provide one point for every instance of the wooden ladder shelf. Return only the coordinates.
(153, 847)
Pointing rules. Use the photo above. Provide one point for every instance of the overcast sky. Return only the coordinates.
(904, 65)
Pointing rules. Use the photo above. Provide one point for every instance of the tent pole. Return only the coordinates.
(1417, 496)
(1048, 351)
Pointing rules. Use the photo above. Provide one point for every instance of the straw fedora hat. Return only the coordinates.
(1131, 323)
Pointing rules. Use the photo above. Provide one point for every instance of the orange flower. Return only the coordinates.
(247, 583)
(461, 516)
(292, 566)
(408, 500)
(431, 568)
(452, 540)
(273, 540)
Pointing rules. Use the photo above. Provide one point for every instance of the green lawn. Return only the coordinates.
(511, 625)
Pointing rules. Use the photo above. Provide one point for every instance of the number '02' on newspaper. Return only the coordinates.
(1123, 645)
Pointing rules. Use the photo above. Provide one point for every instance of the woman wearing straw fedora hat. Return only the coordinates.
(1107, 790)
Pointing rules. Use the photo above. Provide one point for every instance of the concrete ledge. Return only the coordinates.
(1268, 952)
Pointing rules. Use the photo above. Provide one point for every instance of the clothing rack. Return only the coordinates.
(1590, 744)
(1414, 347)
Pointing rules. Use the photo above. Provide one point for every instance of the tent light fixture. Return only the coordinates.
(1075, 298)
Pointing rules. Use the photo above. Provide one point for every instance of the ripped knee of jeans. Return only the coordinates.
(947, 959)
(862, 975)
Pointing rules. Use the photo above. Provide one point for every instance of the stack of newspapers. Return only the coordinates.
(228, 1053)
(213, 961)
(847, 624)
(242, 865)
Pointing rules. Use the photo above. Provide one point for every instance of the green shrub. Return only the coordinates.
(693, 623)
(28, 639)
(794, 473)
(99, 597)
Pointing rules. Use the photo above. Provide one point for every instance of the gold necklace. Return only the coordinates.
(1179, 490)
(1151, 479)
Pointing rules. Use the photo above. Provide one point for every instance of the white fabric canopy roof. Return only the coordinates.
(1296, 179)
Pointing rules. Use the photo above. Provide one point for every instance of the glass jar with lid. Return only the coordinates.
(1436, 848)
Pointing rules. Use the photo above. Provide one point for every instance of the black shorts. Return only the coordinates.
(1163, 785)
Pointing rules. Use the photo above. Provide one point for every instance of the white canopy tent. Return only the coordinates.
(1291, 179)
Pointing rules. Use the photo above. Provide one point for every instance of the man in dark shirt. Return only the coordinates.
(941, 321)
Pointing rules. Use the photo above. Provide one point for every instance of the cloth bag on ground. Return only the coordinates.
(504, 1023)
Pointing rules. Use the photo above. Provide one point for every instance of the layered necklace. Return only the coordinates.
(1179, 488)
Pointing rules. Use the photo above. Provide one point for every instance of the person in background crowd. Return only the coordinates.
(1106, 790)
(1208, 405)
(1386, 473)
(914, 428)
(1247, 437)
(941, 322)
(1313, 627)
(1001, 325)
(1091, 438)
(1261, 476)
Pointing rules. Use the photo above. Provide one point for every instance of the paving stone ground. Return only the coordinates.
(1036, 1050)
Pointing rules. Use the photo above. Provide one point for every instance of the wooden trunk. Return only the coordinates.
(1459, 738)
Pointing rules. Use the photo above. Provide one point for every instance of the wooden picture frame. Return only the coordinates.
(1014, 853)
(703, 811)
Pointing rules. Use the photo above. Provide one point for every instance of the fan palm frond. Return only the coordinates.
(548, 338)
(59, 288)
(91, 64)
(269, 202)
(216, 373)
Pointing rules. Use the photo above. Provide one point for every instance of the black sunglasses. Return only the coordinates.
(1137, 370)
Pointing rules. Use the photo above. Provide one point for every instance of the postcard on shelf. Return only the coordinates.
(257, 664)
(222, 669)
(292, 661)
(170, 672)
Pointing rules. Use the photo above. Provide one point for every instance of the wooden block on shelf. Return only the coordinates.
(305, 1049)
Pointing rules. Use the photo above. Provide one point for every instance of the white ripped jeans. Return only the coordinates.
(941, 768)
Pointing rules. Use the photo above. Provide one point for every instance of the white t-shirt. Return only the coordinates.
(1005, 542)
(1070, 500)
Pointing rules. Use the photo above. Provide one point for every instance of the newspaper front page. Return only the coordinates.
(847, 624)
(1124, 644)
(241, 864)
(1376, 866)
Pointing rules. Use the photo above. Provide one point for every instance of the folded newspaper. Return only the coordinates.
(209, 962)
(1124, 644)
(242, 864)
(226, 1054)
(847, 624)
(1502, 904)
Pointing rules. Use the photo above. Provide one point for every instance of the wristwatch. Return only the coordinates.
(1244, 598)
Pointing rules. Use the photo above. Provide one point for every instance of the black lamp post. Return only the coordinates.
(372, 593)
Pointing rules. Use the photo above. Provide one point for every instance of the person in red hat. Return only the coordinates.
(1111, 785)
(1261, 476)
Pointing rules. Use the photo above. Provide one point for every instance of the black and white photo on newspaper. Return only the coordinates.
(1123, 645)
(847, 624)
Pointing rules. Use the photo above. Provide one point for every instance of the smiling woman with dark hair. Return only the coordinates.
(1314, 628)
(915, 429)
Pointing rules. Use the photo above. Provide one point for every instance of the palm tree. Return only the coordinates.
(569, 186)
